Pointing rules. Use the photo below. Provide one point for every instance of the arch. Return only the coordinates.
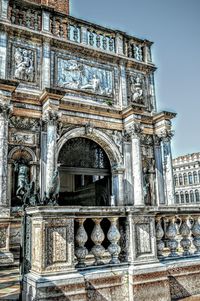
(187, 197)
(195, 177)
(197, 196)
(191, 196)
(185, 179)
(190, 179)
(97, 136)
(182, 197)
(22, 149)
(177, 198)
(180, 179)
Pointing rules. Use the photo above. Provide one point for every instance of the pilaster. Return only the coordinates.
(160, 194)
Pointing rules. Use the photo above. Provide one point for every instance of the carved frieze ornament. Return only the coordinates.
(24, 123)
(24, 65)
(5, 108)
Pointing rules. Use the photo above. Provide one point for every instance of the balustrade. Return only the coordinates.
(101, 40)
(27, 17)
(178, 236)
(103, 241)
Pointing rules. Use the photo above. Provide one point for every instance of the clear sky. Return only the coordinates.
(174, 27)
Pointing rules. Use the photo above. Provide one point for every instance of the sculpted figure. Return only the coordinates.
(24, 68)
(22, 170)
(146, 186)
(93, 85)
(136, 89)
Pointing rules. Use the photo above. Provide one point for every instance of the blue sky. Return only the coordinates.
(174, 27)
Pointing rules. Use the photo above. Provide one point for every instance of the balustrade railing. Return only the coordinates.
(101, 241)
(178, 235)
(78, 31)
(27, 16)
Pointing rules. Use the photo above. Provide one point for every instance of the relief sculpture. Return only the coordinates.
(79, 76)
(24, 64)
(136, 89)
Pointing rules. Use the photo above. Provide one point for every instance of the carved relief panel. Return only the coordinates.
(94, 80)
(24, 62)
(136, 86)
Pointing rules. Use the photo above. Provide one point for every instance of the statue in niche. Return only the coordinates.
(22, 169)
(24, 66)
(136, 89)
(148, 182)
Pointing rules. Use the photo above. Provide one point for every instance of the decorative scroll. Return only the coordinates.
(79, 76)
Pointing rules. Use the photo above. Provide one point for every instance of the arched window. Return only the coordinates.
(190, 178)
(191, 196)
(199, 175)
(180, 180)
(197, 196)
(182, 197)
(187, 197)
(195, 177)
(175, 180)
(185, 178)
(177, 198)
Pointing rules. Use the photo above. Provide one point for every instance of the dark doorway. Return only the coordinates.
(85, 175)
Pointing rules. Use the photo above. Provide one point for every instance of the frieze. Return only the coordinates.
(24, 123)
(21, 138)
(76, 75)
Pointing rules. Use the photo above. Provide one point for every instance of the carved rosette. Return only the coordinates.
(113, 236)
(159, 236)
(185, 232)
(81, 238)
(196, 233)
(97, 237)
(171, 233)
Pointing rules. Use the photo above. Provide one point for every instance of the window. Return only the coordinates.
(197, 196)
(191, 196)
(190, 178)
(187, 197)
(177, 198)
(185, 178)
(180, 180)
(195, 177)
(182, 197)
(175, 180)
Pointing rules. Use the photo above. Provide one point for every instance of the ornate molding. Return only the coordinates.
(166, 135)
(134, 131)
(51, 117)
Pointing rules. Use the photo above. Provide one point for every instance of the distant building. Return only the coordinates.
(187, 178)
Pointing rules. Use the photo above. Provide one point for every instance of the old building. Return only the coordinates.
(86, 177)
(187, 178)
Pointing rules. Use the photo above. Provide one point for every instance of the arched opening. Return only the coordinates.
(85, 174)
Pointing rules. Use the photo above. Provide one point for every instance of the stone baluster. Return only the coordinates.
(166, 136)
(5, 110)
(185, 233)
(81, 238)
(134, 132)
(75, 33)
(113, 236)
(111, 44)
(196, 233)
(159, 236)
(91, 38)
(97, 237)
(98, 40)
(104, 43)
(171, 233)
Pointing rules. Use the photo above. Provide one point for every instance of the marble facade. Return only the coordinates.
(61, 79)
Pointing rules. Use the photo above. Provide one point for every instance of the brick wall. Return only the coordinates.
(59, 5)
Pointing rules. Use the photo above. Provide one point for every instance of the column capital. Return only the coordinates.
(166, 135)
(51, 116)
(134, 130)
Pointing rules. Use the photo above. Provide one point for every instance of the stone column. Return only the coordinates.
(118, 185)
(123, 86)
(134, 133)
(166, 136)
(50, 117)
(5, 110)
(160, 193)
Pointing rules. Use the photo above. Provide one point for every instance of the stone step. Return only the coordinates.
(9, 283)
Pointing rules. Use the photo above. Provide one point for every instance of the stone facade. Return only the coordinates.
(186, 171)
(83, 145)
